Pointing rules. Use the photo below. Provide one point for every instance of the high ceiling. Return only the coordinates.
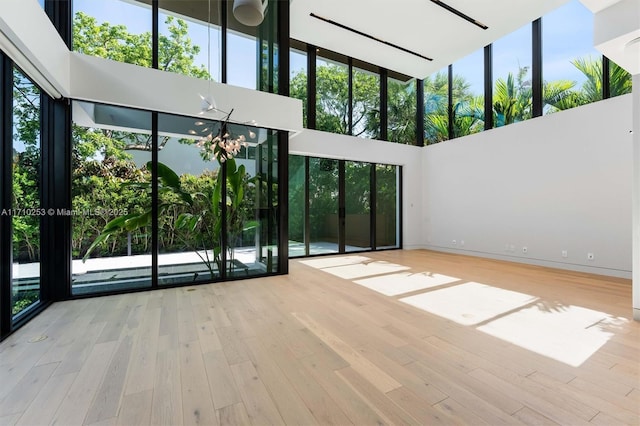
(420, 26)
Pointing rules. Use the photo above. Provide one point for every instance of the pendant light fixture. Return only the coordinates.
(249, 12)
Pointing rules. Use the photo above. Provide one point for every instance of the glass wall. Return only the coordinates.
(332, 95)
(357, 185)
(25, 209)
(387, 206)
(468, 94)
(111, 149)
(512, 95)
(401, 111)
(436, 107)
(189, 39)
(323, 205)
(366, 104)
(217, 208)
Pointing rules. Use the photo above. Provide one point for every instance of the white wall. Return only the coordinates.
(29, 38)
(554, 183)
(321, 144)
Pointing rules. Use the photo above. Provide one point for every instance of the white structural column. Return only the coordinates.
(636, 197)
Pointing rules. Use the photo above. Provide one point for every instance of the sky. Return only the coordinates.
(567, 34)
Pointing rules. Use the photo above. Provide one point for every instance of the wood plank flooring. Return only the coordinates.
(316, 348)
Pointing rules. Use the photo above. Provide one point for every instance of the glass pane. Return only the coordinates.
(298, 80)
(252, 206)
(401, 110)
(113, 29)
(436, 104)
(110, 150)
(620, 81)
(468, 95)
(357, 178)
(26, 213)
(387, 206)
(185, 34)
(366, 104)
(268, 55)
(332, 96)
(512, 77)
(323, 205)
(297, 205)
(242, 62)
(572, 68)
(189, 222)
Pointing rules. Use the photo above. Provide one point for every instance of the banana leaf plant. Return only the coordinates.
(204, 215)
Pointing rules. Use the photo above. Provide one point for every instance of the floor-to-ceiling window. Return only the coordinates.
(26, 209)
(215, 216)
(110, 151)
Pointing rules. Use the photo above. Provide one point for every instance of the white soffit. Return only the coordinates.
(617, 34)
(417, 25)
(598, 5)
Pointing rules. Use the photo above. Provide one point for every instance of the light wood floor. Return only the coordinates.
(315, 348)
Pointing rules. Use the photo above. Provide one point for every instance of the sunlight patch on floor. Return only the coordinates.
(469, 303)
(569, 334)
(332, 262)
(405, 282)
(365, 269)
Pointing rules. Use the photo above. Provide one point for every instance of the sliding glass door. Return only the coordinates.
(339, 206)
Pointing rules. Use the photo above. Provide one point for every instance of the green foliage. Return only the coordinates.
(176, 51)
(512, 99)
(23, 299)
(401, 112)
(26, 168)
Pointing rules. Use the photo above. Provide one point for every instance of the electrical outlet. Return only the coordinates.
(462, 243)
(525, 249)
(590, 256)
(565, 253)
(454, 242)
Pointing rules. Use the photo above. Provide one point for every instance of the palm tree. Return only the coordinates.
(512, 98)
(591, 68)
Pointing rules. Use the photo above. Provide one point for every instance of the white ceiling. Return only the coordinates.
(418, 25)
